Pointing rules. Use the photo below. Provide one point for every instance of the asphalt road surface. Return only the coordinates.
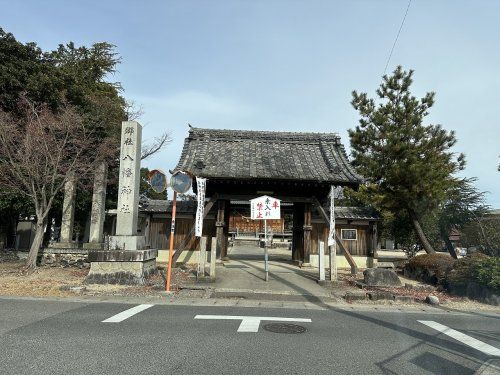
(60, 337)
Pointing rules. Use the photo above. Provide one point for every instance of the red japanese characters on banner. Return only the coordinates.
(265, 208)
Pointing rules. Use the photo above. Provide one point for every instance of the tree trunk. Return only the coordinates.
(11, 230)
(420, 233)
(37, 242)
(449, 246)
(48, 232)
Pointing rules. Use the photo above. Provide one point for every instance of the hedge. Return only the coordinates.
(478, 268)
(430, 268)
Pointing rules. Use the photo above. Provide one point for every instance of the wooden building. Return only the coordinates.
(355, 228)
(298, 168)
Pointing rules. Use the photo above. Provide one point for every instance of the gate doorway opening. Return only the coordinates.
(247, 237)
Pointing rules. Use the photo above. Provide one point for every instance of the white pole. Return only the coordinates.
(213, 256)
(202, 255)
(266, 256)
(321, 261)
(333, 247)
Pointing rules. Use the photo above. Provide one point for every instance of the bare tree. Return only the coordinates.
(133, 111)
(39, 151)
(156, 145)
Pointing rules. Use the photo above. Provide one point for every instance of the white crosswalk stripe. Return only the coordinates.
(127, 314)
(463, 338)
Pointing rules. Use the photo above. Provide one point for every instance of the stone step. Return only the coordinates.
(385, 265)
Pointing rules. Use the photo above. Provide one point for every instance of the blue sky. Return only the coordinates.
(287, 65)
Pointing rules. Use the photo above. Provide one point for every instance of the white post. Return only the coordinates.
(202, 257)
(332, 240)
(213, 256)
(266, 255)
(321, 260)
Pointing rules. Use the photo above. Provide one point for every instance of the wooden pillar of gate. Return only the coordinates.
(373, 241)
(221, 231)
(298, 233)
(227, 214)
(307, 233)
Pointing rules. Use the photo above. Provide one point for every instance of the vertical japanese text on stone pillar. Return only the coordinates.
(128, 190)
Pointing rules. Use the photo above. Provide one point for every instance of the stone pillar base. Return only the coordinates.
(64, 245)
(121, 266)
(125, 273)
(93, 246)
(127, 242)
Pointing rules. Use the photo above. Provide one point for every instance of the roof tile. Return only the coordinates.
(238, 154)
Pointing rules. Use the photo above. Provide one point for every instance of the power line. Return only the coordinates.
(397, 36)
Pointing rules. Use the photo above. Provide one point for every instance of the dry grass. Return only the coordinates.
(56, 281)
(42, 282)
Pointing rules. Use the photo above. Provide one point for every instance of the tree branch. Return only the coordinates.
(157, 144)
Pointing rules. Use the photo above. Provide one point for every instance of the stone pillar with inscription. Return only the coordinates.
(97, 214)
(127, 261)
(68, 216)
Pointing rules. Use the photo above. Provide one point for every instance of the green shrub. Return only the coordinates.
(438, 263)
(431, 268)
(488, 273)
(478, 268)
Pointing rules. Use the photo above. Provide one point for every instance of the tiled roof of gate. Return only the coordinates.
(354, 213)
(240, 154)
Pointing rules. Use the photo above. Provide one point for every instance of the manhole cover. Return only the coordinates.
(284, 328)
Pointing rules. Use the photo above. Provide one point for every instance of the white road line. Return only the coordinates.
(126, 314)
(251, 323)
(463, 338)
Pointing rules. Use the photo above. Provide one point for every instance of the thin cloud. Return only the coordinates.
(194, 101)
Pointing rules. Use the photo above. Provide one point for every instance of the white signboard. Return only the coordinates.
(331, 235)
(201, 184)
(265, 208)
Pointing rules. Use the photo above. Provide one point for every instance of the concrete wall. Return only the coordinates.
(191, 257)
(361, 261)
(187, 256)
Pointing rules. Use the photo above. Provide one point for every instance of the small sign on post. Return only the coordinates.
(180, 182)
(264, 208)
(201, 184)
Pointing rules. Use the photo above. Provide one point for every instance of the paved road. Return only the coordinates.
(59, 337)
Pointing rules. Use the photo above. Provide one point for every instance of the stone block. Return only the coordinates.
(404, 299)
(127, 242)
(355, 296)
(122, 255)
(93, 246)
(381, 296)
(385, 265)
(126, 273)
(381, 277)
(64, 245)
(64, 257)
